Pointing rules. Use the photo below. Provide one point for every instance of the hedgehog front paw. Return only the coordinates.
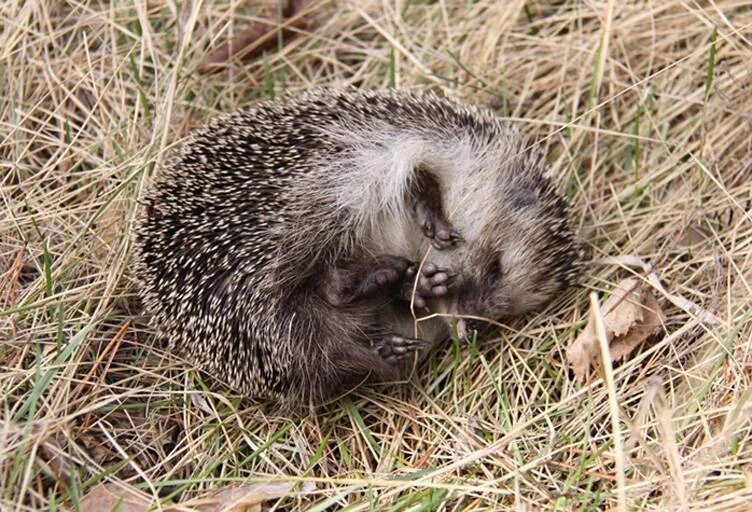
(441, 234)
(393, 348)
(436, 228)
(431, 283)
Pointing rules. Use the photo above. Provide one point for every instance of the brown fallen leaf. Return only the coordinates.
(692, 236)
(244, 498)
(109, 230)
(110, 497)
(257, 37)
(630, 315)
(9, 278)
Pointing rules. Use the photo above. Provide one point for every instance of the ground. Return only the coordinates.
(644, 110)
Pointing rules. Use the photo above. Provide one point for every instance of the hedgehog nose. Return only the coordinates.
(473, 326)
(516, 305)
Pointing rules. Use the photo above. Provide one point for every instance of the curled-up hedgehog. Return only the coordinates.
(285, 248)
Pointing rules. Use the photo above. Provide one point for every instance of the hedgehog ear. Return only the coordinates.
(523, 197)
(493, 268)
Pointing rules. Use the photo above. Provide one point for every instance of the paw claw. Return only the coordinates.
(441, 233)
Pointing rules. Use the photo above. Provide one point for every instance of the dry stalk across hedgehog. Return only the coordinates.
(279, 247)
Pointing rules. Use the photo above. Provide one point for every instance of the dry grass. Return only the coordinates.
(645, 111)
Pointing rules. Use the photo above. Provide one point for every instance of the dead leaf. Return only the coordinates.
(109, 230)
(11, 277)
(52, 452)
(236, 498)
(257, 37)
(630, 315)
(245, 498)
(112, 497)
(202, 404)
(692, 235)
(690, 307)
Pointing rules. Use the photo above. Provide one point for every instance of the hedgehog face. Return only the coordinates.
(521, 258)
(502, 282)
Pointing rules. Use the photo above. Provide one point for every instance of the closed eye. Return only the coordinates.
(494, 270)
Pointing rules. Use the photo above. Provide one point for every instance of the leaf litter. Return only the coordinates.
(109, 497)
(631, 314)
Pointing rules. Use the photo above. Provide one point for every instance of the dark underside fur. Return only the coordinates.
(252, 270)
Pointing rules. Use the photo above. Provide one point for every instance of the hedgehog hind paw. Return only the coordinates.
(436, 228)
(394, 348)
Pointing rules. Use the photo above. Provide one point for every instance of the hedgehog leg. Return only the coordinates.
(432, 282)
(351, 282)
(429, 212)
(393, 348)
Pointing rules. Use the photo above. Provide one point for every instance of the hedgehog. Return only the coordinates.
(287, 249)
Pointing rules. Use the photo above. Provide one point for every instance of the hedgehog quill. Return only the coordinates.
(279, 248)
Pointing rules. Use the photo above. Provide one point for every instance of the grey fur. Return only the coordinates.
(248, 231)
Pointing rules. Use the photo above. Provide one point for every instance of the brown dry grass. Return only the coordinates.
(646, 117)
